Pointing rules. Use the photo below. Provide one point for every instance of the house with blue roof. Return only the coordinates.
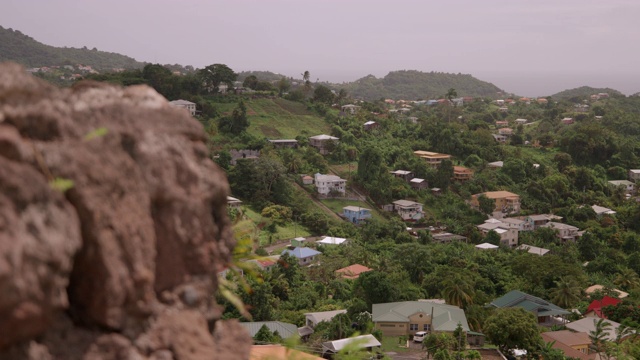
(304, 255)
(547, 313)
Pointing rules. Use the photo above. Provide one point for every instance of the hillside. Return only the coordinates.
(583, 91)
(18, 47)
(412, 84)
(261, 75)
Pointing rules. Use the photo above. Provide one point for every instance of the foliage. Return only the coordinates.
(512, 328)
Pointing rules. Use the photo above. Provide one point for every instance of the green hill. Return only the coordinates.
(583, 92)
(261, 75)
(412, 84)
(18, 47)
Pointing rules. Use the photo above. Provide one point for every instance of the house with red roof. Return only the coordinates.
(596, 306)
(352, 271)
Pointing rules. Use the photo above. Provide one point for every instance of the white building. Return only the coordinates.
(191, 107)
(408, 210)
(330, 183)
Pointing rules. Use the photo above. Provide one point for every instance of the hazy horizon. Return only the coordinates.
(530, 49)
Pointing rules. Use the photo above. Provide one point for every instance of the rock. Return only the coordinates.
(136, 209)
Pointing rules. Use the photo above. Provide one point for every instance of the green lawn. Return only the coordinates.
(390, 343)
(283, 119)
(289, 231)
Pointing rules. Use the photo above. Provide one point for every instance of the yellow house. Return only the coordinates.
(578, 341)
(409, 317)
(505, 201)
(433, 159)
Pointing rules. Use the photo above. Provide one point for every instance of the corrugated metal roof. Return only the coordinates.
(285, 330)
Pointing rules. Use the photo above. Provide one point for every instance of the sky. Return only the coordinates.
(531, 48)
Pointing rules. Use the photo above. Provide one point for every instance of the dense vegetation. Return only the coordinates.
(18, 47)
(585, 92)
(572, 166)
(412, 85)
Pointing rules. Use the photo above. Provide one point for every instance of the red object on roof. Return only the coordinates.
(597, 305)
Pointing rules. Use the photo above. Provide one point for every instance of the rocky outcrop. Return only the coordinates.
(113, 226)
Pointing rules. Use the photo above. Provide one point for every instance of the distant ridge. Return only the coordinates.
(413, 84)
(582, 92)
(18, 47)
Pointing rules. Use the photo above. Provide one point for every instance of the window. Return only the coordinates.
(413, 327)
(427, 327)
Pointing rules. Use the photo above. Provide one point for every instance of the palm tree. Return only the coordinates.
(457, 291)
(599, 334)
(627, 279)
(566, 293)
(451, 94)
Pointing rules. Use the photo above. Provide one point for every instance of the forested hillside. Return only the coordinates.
(18, 47)
(583, 92)
(412, 85)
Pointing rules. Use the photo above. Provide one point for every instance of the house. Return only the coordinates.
(545, 311)
(629, 187)
(409, 317)
(233, 203)
(187, 105)
(500, 138)
(500, 102)
(273, 352)
(577, 341)
(495, 165)
(405, 175)
(565, 232)
(505, 202)
(243, 154)
(567, 121)
(462, 174)
(350, 108)
(330, 184)
(595, 308)
(370, 125)
(265, 263)
(588, 325)
(593, 288)
(352, 271)
(418, 183)
(285, 330)
(363, 342)
(519, 224)
(330, 240)
(323, 143)
(445, 238)
(505, 131)
(408, 210)
(433, 159)
(299, 241)
(503, 109)
(634, 175)
(602, 211)
(508, 234)
(307, 180)
(356, 214)
(436, 191)
(314, 318)
(486, 246)
(304, 255)
(521, 121)
(540, 220)
(542, 101)
(502, 123)
(284, 143)
(533, 249)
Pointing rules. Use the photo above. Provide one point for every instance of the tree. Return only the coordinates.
(323, 94)
(627, 279)
(250, 82)
(451, 94)
(283, 86)
(214, 75)
(487, 206)
(457, 291)
(566, 293)
(264, 336)
(599, 335)
(492, 238)
(237, 122)
(513, 328)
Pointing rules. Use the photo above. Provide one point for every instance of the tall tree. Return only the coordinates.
(566, 293)
(513, 328)
(214, 75)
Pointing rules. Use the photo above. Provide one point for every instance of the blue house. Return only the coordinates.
(304, 255)
(356, 214)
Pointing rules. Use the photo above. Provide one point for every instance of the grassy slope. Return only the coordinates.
(250, 224)
(336, 206)
(283, 119)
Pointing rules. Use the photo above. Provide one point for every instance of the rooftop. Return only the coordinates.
(301, 252)
(498, 194)
(323, 137)
(445, 317)
(352, 271)
(406, 203)
(533, 249)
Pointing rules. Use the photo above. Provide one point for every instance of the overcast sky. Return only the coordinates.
(528, 47)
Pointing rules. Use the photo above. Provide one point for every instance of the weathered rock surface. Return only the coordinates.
(81, 269)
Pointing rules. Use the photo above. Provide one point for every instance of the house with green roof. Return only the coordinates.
(285, 330)
(409, 317)
(547, 313)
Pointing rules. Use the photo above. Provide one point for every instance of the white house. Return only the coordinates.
(188, 105)
(327, 184)
(330, 240)
(565, 232)
(408, 210)
(629, 187)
